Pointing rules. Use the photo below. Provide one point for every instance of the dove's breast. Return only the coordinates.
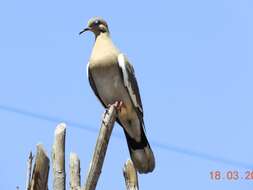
(108, 81)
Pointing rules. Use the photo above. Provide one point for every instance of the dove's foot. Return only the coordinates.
(118, 105)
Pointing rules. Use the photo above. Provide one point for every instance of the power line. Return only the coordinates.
(166, 147)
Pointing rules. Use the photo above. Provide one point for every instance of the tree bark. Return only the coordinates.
(109, 118)
(58, 157)
(40, 170)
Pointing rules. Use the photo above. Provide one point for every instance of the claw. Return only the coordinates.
(118, 105)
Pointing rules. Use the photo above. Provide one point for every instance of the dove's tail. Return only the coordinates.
(141, 153)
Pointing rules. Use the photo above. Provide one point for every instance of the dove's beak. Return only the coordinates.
(84, 30)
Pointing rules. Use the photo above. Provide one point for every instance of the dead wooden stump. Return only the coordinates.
(39, 179)
(130, 174)
(58, 157)
(40, 170)
(75, 179)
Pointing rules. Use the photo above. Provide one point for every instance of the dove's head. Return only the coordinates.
(97, 25)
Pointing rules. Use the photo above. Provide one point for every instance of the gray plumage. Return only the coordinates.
(112, 79)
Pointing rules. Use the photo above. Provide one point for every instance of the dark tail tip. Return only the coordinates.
(141, 153)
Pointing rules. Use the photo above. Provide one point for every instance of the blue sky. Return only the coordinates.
(193, 61)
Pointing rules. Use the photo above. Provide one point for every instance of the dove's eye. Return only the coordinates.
(96, 21)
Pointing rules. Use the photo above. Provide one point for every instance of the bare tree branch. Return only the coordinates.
(109, 118)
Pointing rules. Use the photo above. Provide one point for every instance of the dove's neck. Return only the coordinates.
(103, 46)
(102, 36)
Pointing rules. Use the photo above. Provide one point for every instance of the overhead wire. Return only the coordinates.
(163, 146)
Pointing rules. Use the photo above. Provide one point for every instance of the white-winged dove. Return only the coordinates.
(112, 79)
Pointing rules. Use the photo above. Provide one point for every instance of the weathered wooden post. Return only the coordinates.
(58, 158)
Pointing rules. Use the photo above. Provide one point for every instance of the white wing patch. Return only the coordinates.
(87, 69)
(122, 64)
